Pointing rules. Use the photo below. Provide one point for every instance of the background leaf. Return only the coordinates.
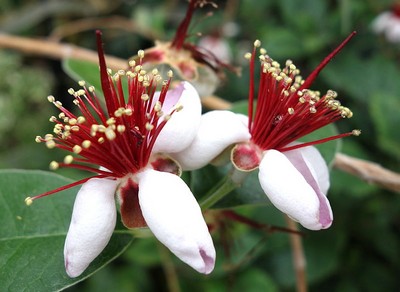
(32, 238)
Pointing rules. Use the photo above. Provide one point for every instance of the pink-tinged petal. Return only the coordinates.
(181, 128)
(309, 162)
(174, 216)
(316, 163)
(217, 131)
(288, 190)
(92, 224)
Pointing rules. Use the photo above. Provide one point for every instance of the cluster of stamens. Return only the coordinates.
(119, 139)
(286, 109)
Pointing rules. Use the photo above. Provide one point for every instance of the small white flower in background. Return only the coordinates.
(126, 147)
(388, 24)
(293, 175)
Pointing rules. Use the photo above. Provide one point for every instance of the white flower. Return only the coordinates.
(128, 145)
(388, 24)
(294, 176)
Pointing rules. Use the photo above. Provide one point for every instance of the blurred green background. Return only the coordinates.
(360, 252)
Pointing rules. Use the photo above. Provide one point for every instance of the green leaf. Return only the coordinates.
(32, 238)
(384, 111)
(83, 70)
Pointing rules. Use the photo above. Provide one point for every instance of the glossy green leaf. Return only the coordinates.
(83, 70)
(32, 238)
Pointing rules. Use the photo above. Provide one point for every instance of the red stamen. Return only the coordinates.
(316, 142)
(310, 79)
(182, 30)
(68, 186)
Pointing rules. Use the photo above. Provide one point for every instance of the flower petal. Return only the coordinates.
(217, 131)
(174, 216)
(316, 163)
(309, 162)
(289, 191)
(92, 224)
(181, 128)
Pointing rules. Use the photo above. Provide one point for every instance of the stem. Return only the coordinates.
(299, 261)
(230, 182)
(171, 275)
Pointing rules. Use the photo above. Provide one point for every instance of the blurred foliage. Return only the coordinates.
(360, 252)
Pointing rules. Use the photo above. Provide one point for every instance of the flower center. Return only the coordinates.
(286, 109)
(119, 138)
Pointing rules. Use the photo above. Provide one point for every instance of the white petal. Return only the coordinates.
(174, 216)
(382, 22)
(217, 131)
(315, 163)
(289, 191)
(181, 129)
(92, 224)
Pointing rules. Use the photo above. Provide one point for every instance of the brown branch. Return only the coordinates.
(368, 171)
(299, 260)
(55, 50)
(111, 22)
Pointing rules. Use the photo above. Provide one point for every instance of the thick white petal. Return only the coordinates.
(92, 224)
(174, 216)
(316, 163)
(181, 129)
(288, 190)
(217, 131)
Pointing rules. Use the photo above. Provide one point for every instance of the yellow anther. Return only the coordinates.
(58, 104)
(51, 98)
(110, 134)
(71, 91)
(72, 121)
(68, 159)
(291, 111)
(38, 139)
(247, 56)
(81, 92)
(128, 112)
(157, 106)
(263, 51)
(110, 121)
(100, 140)
(50, 144)
(170, 74)
(121, 72)
(132, 63)
(154, 71)
(54, 165)
(53, 119)
(81, 120)
(109, 71)
(86, 144)
(257, 43)
(149, 126)
(178, 107)
(61, 115)
(81, 83)
(313, 110)
(145, 97)
(121, 128)
(75, 128)
(91, 89)
(76, 102)
(140, 54)
(77, 149)
(356, 132)
(101, 128)
(28, 201)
